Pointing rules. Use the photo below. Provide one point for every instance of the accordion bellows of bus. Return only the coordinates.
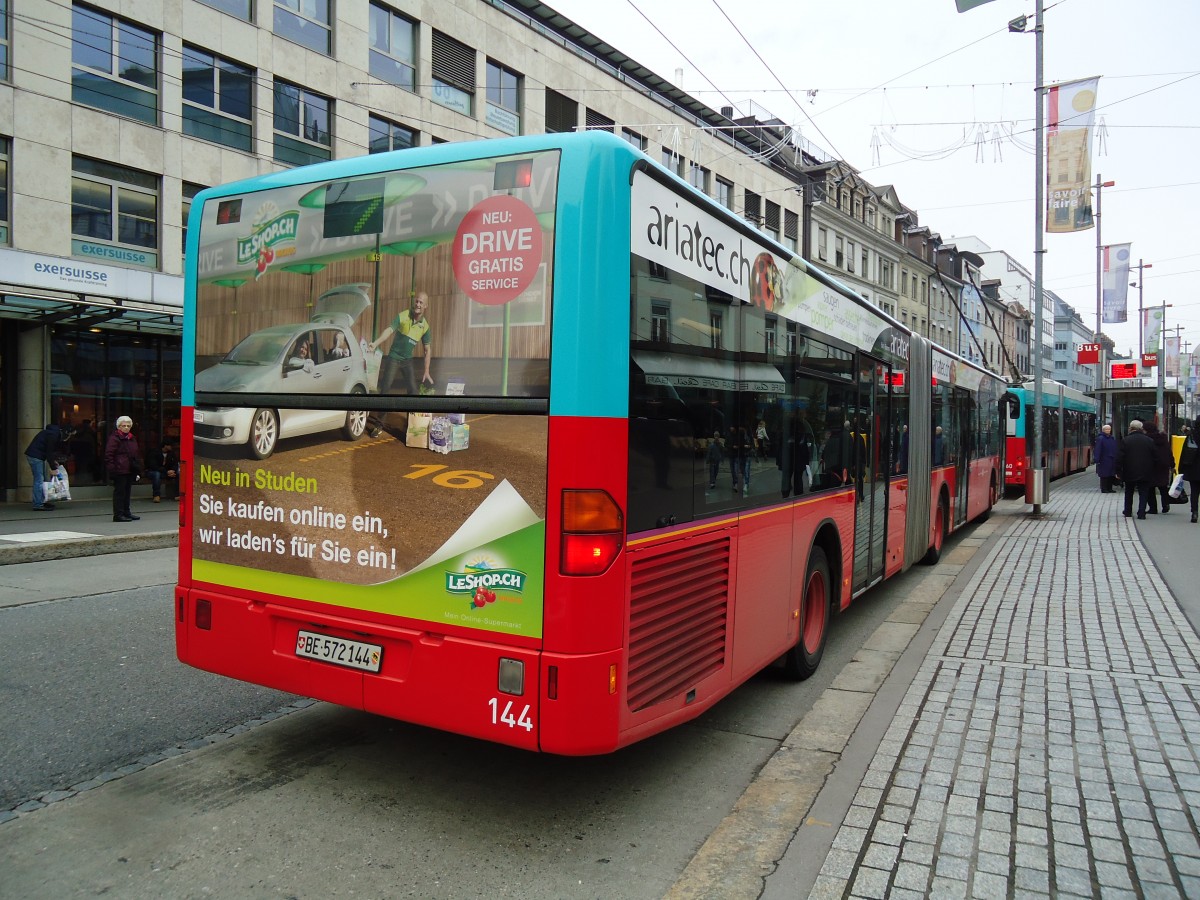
(688, 448)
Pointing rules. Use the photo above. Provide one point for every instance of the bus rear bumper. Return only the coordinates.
(442, 681)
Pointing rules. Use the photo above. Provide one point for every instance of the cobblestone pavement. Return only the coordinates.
(1050, 743)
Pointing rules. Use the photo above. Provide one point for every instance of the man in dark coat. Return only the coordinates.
(1135, 466)
(40, 454)
(1105, 455)
(1164, 465)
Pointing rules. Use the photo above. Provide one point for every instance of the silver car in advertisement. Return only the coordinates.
(321, 356)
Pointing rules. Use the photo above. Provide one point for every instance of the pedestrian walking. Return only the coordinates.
(1135, 467)
(1105, 454)
(1189, 465)
(1164, 464)
(124, 465)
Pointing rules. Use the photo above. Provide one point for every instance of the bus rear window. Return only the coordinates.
(472, 244)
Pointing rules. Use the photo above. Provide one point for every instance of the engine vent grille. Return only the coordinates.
(678, 620)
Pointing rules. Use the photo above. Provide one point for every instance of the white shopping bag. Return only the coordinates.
(58, 488)
(1176, 489)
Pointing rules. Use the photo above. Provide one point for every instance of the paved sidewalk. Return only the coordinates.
(1049, 744)
(83, 528)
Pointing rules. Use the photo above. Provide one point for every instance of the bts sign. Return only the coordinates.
(1088, 353)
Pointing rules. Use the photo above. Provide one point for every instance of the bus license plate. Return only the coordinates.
(354, 654)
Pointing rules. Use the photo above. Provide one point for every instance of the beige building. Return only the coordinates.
(114, 114)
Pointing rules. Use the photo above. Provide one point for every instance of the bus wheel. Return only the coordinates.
(264, 433)
(802, 660)
(934, 553)
(356, 421)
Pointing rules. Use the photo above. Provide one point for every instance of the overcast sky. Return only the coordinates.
(914, 94)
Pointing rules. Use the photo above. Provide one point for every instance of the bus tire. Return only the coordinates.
(934, 553)
(356, 420)
(264, 433)
(815, 603)
(987, 510)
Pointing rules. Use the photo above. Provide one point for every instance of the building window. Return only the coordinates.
(752, 211)
(306, 22)
(850, 256)
(839, 251)
(301, 125)
(866, 272)
(770, 324)
(393, 56)
(387, 136)
(638, 140)
(698, 177)
(792, 339)
(725, 193)
(672, 161)
(239, 8)
(504, 98)
(114, 65)
(217, 99)
(114, 213)
(660, 322)
(791, 230)
(189, 194)
(4, 236)
(715, 322)
(453, 74)
(562, 113)
(822, 244)
(885, 273)
(3, 40)
(595, 121)
(658, 271)
(771, 222)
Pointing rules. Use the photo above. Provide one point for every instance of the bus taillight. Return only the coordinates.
(593, 532)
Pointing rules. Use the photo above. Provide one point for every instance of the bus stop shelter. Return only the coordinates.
(1124, 404)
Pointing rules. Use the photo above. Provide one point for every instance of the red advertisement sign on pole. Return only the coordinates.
(1088, 353)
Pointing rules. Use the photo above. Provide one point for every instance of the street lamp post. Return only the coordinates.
(1036, 469)
(1162, 368)
(1100, 185)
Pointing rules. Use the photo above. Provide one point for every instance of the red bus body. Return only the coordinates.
(689, 603)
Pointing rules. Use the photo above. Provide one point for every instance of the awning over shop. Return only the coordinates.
(37, 310)
(683, 370)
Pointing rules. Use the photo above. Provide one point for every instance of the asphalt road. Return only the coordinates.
(326, 798)
(90, 682)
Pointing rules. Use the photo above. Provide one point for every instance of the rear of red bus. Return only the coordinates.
(454, 559)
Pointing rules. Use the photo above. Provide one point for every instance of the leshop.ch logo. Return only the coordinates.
(482, 579)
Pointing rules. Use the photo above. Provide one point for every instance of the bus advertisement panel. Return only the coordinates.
(448, 526)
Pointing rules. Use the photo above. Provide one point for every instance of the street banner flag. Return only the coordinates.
(1071, 109)
(1172, 349)
(964, 5)
(1115, 285)
(1152, 322)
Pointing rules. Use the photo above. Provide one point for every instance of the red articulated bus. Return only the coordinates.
(569, 453)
